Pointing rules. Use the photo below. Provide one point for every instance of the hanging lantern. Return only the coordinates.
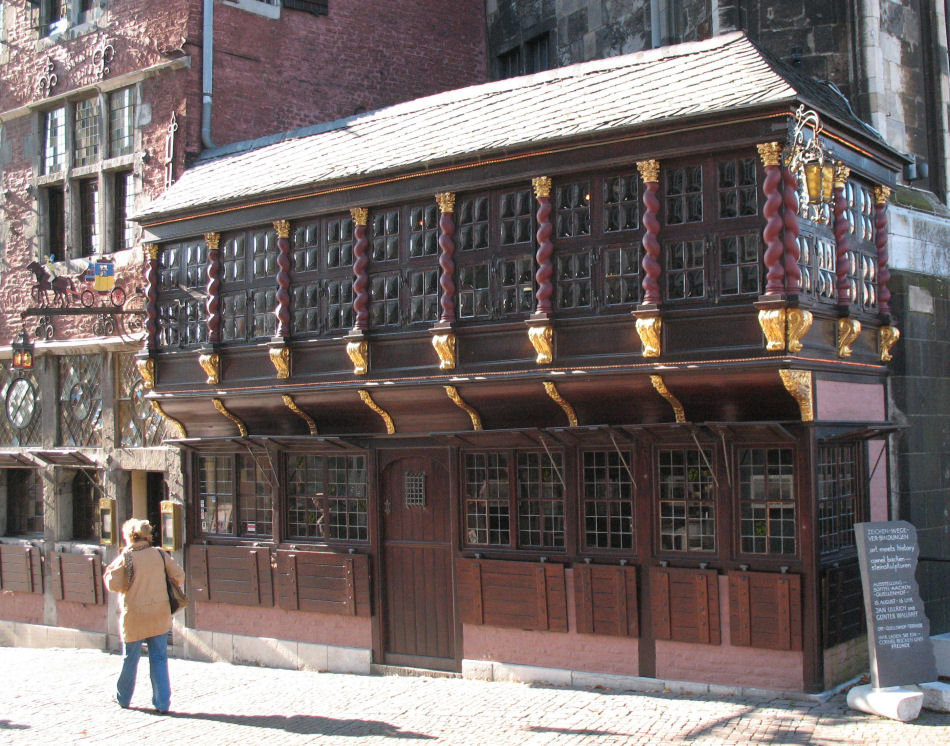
(811, 162)
(22, 351)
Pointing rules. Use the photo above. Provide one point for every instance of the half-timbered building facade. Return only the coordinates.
(559, 378)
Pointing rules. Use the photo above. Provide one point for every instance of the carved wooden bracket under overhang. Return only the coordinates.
(552, 391)
(660, 385)
(461, 404)
(292, 406)
(219, 405)
(799, 384)
(368, 400)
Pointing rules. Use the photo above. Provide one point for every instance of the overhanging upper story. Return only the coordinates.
(625, 241)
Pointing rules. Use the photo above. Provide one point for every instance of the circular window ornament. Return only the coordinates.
(20, 403)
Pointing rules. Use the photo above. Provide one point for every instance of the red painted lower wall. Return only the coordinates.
(300, 626)
(88, 617)
(26, 608)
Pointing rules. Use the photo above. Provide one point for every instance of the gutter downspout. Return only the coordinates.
(207, 72)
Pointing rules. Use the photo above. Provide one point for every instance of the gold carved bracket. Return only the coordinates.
(784, 328)
(650, 331)
(541, 337)
(465, 406)
(562, 402)
(211, 364)
(799, 384)
(292, 406)
(887, 337)
(358, 351)
(445, 347)
(146, 369)
(660, 385)
(387, 420)
(171, 420)
(239, 423)
(280, 359)
(848, 331)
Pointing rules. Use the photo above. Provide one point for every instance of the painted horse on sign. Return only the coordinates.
(61, 286)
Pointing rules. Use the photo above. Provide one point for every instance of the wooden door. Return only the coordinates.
(418, 592)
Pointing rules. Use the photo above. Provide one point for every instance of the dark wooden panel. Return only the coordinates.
(605, 598)
(523, 595)
(842, 603)
(21, 569)
(765, 610)
(685, 604)
(324, 581)
(231, 575)
(78, 578)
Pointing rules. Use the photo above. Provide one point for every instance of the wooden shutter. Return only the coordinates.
(605, 599)
(324, 581)
(765, 610)
(522, 595)
(317, 7)
(21, 568)
(78, 578)
(842, 603)
(685, 604)
(231, 575)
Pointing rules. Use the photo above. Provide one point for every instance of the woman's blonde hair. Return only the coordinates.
(134, 530)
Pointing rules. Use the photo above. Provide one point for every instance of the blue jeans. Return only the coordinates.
(158, 669)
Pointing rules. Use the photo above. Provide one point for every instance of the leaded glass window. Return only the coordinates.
(22, 410)
(687, 501)
(837, 496)
(216, 494)
(737, 188)
(621, 203)
(472, 224)
(685, 269)
(474, 291)
(608, 499)
(540, 500)
(121, 122)
(424, 295)
(740, 261)
(384, 299)
(346, 497)
(339, 304)
(86, 132)
(516, 216)
(767, 501)
(80, 400)
(386, 236)
(622, 278)
(574, 281)
(487, 499)
(54, 141)
(572, 210)
(817, 263)
(862, 276)
(255, 499)
(139, 425)
(517, 284)
(423, 231)
(684, 195)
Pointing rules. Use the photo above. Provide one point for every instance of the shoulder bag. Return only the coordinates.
(177, 600)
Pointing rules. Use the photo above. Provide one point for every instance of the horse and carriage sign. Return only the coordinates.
(93, 291)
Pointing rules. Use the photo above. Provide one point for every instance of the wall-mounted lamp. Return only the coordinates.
(22, 351)
(811, 162)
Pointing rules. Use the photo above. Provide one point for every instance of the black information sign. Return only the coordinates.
(898, 631)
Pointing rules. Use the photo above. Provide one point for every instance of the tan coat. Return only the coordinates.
(145, 610)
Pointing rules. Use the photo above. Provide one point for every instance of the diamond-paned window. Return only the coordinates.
(139, 425)
(22, 410)
(80, 400)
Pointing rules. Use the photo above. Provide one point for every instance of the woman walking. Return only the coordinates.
(138, 574)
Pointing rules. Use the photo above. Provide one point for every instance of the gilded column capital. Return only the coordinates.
(445, 201)
(881, 195)
(151, 250)
(842, 174)
(542, 186)
(770, 153)
(360, 215)
(213, 240)
(283, 228)
(649, 170)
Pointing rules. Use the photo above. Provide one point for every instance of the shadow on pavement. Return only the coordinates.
(576, 731)
(7, 725)
(305, 724)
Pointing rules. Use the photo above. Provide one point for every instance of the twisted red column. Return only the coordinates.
(842, 228)
(151, 298)
(213, 301)
(651, 244)
(282, 310)
(542, 188)
(772, 233)
(360, 271)
(881, 195)
(793, 252)
(446, 203)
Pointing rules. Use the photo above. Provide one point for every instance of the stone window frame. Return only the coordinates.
(112, 231)
(75, 17)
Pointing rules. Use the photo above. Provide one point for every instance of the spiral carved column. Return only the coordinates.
(793, 253)
(443, 338)
(540, 329)
(842, 229)
(357, 347)
(279, 351)
(151, 297)
(213, 301)
(771, 155)
(649, 321)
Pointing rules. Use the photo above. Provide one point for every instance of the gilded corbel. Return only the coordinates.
(219, 405)
(541, 337)
(280, 359)
(292, 406)
(146, 369)
(464, 406)
(848, 331)
(784, 328)
(171, 420)
(562, 402)
(444, 344)
(650, 331)
(358, 350)
(211, 364)
(887, 338)
(660, 385)
(798, 384)
(798, 322)
(387, 420)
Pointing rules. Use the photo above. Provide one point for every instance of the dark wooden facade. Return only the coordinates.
(622, 387)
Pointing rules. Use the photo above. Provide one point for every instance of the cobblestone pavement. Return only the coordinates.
(65, 697)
